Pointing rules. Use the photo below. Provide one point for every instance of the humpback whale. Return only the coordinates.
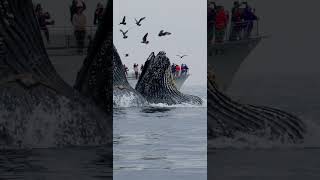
(121, 86)
(37, 107)
(227, 118)
(156, 83)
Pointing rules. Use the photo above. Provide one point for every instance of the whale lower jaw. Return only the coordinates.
(227, 118)
(172, 98)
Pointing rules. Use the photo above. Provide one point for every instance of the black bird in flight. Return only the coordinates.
(123, 21)
(124, 33)
(139, 22)
(144, 39)
(162, 33)
(182, 56)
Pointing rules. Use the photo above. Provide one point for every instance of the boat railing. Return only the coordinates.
(62, 37)
(243, 30)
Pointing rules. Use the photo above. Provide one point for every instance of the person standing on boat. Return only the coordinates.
(136, 70)
(221, 24)
(98, 14)
(236, 22)
(186, 69)
(73, 7)
(43, 20)
(125, 69)
(182, 69)
(79, 22)
(249, 17)
(178, 69)
(173, 69)
(211, 16)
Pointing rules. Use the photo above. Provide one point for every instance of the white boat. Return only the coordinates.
(225, 58)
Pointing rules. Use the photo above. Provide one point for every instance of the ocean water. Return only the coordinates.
(161, 142)
(251, 158)
(80, 163)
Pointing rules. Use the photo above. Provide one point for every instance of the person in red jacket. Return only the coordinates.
(221, 24)
(178, 69)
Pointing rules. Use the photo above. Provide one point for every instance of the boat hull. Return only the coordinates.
(225, 59)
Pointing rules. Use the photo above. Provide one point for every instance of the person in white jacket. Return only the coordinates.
(79, 21)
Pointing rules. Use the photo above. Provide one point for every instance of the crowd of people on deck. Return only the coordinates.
(242, 22)
(178, 70)
(77, 17)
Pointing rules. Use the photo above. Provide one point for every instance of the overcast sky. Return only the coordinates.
(186, 20)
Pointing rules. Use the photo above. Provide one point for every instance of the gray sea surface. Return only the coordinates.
(161, 142)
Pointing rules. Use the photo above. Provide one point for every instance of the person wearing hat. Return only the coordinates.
(79, 22)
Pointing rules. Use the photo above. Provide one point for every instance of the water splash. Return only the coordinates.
(45, 127)
(126, 100)
(188, 105)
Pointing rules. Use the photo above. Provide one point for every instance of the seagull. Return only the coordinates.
(124, 34)
(139, 22)
(123, 21)
(182, 56)
(162, 33)
(144, 39)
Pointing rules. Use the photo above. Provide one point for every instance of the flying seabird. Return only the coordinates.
(144, 39)
(124, 33)
(123, 21)
(182, 56)
(162, 33)
(139, 22)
